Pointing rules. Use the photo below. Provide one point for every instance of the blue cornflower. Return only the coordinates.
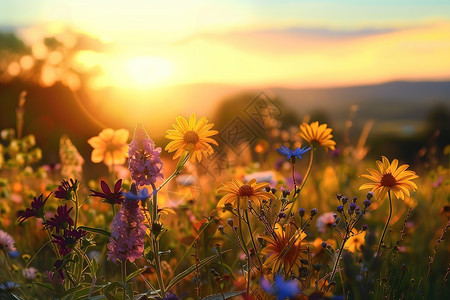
(292, 154)
(14, 254)
(282, 289)
(9, 286)
(141, 195)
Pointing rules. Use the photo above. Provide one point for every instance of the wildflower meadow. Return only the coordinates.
(224, 149)
(297, 220)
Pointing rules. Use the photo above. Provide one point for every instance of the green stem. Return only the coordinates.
(293, 176)
(174, 174)
(124, 275)
(250, 232)
(177, 171)
(244, 244)
(294, 198)
(336, 264)
(308, 171)
(76, 209)
(386, 225)
(55, 249)
(154, 204)
(155, 243)
(249, 271)
(35, 255)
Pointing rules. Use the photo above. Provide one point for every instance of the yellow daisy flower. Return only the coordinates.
(193, 136)
(390, 177)
(313, 133)
(284, 250)
(355, 242)
(110, 146)
(236, 189)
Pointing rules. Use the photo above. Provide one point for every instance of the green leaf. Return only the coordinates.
(135, 273)
(94, 267)
(226, 295)
(96, 230)
(191, 269)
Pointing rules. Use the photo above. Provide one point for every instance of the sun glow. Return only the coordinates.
(139, 72)
(146, 71)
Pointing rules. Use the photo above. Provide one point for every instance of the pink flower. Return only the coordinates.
(6, 242)
(30, 273)
(325, 221)
(127, 233)
(145, 163)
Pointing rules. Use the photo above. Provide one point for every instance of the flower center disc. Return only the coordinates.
(388, 180)
(245, 191)
(191, 137)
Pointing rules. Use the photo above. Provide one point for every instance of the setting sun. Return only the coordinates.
(146, 71)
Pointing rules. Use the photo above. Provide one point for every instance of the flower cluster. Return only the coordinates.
(67, 241)
(66, 235)
(127, 233)
(350, 215)
(145, 163)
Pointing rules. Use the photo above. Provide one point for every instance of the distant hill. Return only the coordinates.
(388, 103)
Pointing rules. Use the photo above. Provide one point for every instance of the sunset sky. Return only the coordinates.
(250, 43)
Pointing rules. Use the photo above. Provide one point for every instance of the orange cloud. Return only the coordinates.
(287, 58)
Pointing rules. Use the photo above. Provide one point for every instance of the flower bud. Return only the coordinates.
(156, 228)
(314, 212)
(344, 200)
(301, 212)
(369, 195)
